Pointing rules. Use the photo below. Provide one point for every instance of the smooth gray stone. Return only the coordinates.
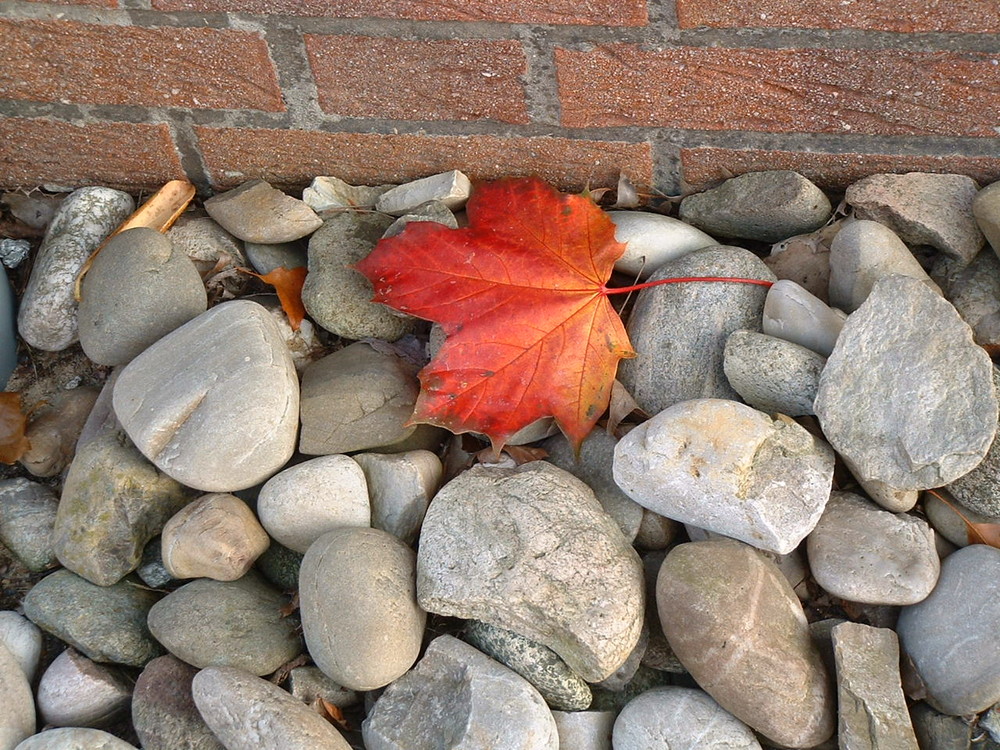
(736, 625)
(452, 696)
(435, 211)
(974, 290)
(215, 403)
(265, 258)
(206, 243)
(958, 619)
(357, 597)
(653, 239)
(451, 188)
(680, 330)
(584, 730)
(163, 711)
(680, 718)
(17, 711)
(257, 212)
(309, 683)
(923, 209)
(55, 429)
(27, 516)
(936, 731)
(872, 709)
(559, 686)
(986, 211)
(530, 550)
(593, 467)
(907, 397)
(947, 523)
(301, 503)
(245, 711)
(74, 738)
(336, 296)
(106, 623)
(47, 315)
(862, 553)
(400, 487)
(771, 374)
(728, 468)
(113, 502)
(864, 252)
(765, 206)
(138, 290)
(355, 399)
(795, 314)
(77, 692)
(226, 623)
(8, 328)
(23, 639)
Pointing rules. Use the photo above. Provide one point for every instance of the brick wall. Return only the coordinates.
(675, 93)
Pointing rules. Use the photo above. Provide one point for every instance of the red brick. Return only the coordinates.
(100, 3)
(83, 63)
(876, 92)
(461, 79)
(968, 16)
(291, 158)
(705, 167)
(584, 12)
(122, 155)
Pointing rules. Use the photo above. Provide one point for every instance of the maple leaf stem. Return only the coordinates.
(682, 279)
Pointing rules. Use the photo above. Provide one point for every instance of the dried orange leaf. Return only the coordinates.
(333, 713)
(288, 283)
(977, 533)
(13, 422)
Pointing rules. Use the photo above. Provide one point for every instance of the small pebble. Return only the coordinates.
(451, 188)
(794, 314)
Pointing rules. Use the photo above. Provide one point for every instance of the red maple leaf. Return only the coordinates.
(520, 293)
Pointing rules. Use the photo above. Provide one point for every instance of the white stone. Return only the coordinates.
(17, 709)
(793, 314)
(652, 239)
(74, 738)
(23, 639)
(451, 188)
(326, 193)
(77, 692)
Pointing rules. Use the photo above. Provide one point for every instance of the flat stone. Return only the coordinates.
(594, 467)
(336, 296)
(737, 626)
(986, 211)
(584, 730)
(163, 711)
(113, 502)
(958, 619)
(17, 712)
(907, 397)
(27, 516)
(435, 211)
(864, 252)
(400, 487)
(765, 206)
(138, 290)
(728, 468)
(556, 567)
(680, 330)
(451, 188)
(331, 193)
(244, 711)
(680, 718)
(454, 692)
(923, 209)
(105, 623)
(873, 710)
(47, 312)
(36, 210)
(24, 641)
(77, 692)
(355, 399)
(805, 260)
(862, 553)
(257, 212)
(215, 403)
(308, 684)
(652, 239)
(216, 536)
(556, 682)
(226, 623)
(771, 374)
(794, 314)
(360, 616)
(74, 738)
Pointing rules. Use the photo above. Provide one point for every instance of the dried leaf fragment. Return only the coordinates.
(13, 422)
(288, 283)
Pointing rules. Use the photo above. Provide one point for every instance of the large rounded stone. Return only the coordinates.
(360, 616)
(74, 738)
(736, 625)
(530, 550)
(77, 692)
(138, 290)
(771, 374)
(215, 403)
(907, 397)
(246, 712)
(17, 711)
(679, 718)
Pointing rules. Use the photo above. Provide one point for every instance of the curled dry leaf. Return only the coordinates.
(976, 533)
(13, 423)
(288, 283)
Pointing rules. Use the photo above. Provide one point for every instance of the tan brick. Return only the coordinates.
(122, 155)
(965, 16)
(461, 79)
(291, 158)
(705, 167)
(63, 61)
(874, 92)
(583, 12)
